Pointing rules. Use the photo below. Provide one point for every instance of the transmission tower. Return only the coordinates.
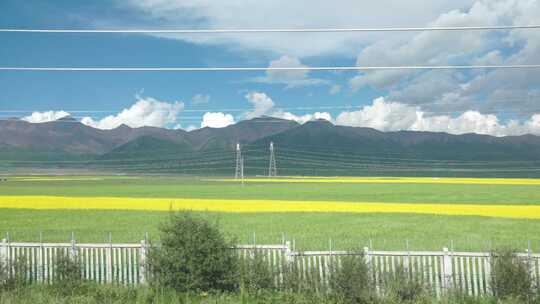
(239, 169)
(242, 170)
(272, 169)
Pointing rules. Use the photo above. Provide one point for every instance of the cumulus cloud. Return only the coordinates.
(262, 104)
(381, 115)
(39, 117)
(302, 118)
(430, 47)
(200, 99)
(467, 88)
(291, 78)
(394, 116)
(285, 14)
(217, 120)
(146, 111)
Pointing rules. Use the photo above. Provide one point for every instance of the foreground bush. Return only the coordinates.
(256, 273)
(350, 282)
(193, 256)
(510, 277)
(68, 276)
(402, 286)
(3, 275)
(16, 277)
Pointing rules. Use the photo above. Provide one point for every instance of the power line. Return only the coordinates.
(255, 69)
(272, 30)
(196, 110)
(323, 107)
(198, 118)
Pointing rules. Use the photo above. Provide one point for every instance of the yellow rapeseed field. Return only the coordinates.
(391, 180)
(38, 178)
(253, 206)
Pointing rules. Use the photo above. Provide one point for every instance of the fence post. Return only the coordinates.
(447, 270)
(142, 262)
(3, 253)
(288, 253)
(8, 256)
(73, 247)
(109, 261)
(530, 269)
(406, 260)
(40, 272)
(367, 257)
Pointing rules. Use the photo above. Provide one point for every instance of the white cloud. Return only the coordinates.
(191, 128)
(414, 48)
(216, 120)
(39, 117)
(200, 99)
(262, 104)
(290, 14)
(428, 48)
(147, 111)
(335, 89)
(393, 116)
(291, 78)
(302, 118)
(468, 88)
(381, 115)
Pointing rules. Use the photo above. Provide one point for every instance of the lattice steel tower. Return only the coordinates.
(238, 172)
(272, 168)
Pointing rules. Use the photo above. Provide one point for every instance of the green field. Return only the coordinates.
(309, 230)
(185, 187)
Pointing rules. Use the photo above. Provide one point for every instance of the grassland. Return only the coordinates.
(313, 229)
(183, 187)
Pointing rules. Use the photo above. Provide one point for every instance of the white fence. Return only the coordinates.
(125, 263)
(103, 263)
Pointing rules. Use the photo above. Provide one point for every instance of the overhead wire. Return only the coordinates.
(310, 159)
(269, 30)
(255, 69)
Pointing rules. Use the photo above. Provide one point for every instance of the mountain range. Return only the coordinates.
(307, 148)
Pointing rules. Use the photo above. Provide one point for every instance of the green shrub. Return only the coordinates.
(3, 275)
(297, 280)
(510, 277)
(402, 286)
(194, 256)
(256, 273)
(350, 282)
(68, 275)
(292, 278)
(17, 277)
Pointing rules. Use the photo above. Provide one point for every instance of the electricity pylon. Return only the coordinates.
(242, 170)
(272, 168)
(239, 166)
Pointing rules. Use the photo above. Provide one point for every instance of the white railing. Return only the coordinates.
(443, 270)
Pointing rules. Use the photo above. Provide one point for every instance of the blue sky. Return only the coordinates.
(490, 102)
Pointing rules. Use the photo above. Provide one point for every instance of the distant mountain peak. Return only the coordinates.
(323, 120)
(68, 118)
(319, 122)
(122, 127)
(265, 118)
(80, 141)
